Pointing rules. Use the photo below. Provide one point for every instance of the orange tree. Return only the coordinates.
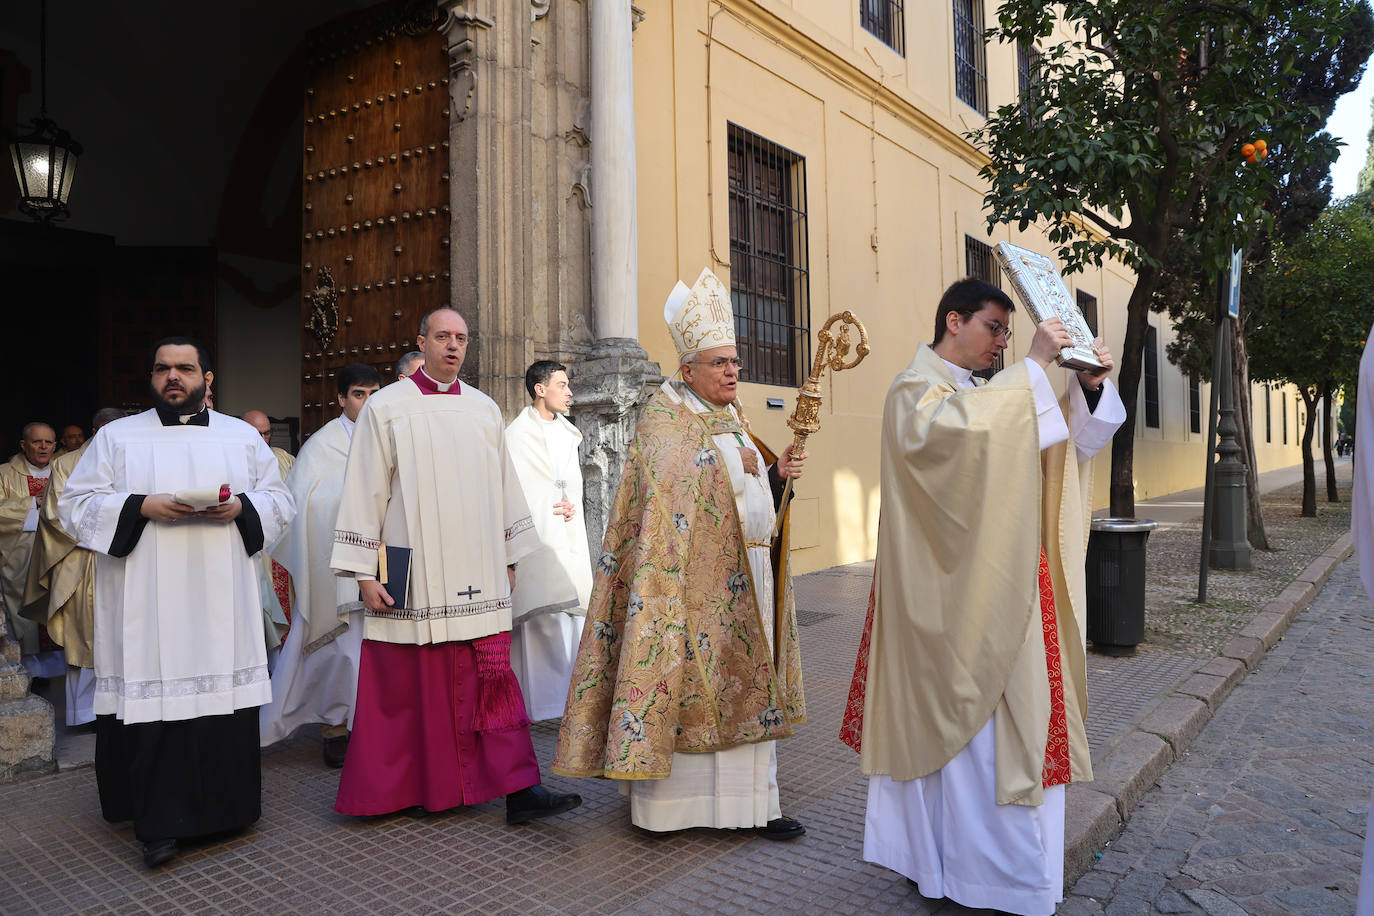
(1309, 325)
(1127, 139)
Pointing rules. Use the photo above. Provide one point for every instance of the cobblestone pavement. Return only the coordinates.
(58, 856)
(1266, 812)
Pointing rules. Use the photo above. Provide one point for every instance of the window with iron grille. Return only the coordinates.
(1194, 405)
(980, 264)
(1027, 65)
(1283, 407)
(884, 18)
(769, 285)
(970, 55)
(1268, 418)
(1087, 304)
(1152, 377)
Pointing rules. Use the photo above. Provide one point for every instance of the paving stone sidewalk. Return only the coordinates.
(1266, 813)
(58, 856)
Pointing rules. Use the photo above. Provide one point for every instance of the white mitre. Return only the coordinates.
(700, 318)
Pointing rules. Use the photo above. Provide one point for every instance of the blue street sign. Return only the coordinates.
(1233, 293)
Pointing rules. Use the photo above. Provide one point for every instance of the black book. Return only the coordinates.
(393, 571)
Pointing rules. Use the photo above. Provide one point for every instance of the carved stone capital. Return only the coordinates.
(461, 27)
(612, 383)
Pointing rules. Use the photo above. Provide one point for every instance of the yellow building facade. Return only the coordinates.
(813, 153)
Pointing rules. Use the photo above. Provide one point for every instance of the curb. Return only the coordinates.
(1096, 811)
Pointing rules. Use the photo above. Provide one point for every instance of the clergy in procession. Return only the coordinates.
(431, 524)
(549, 602)
(275, 584)
(177, 502)
(406, 365)
(969, 695)
(72, 438)
(689, 669)
(61, 586)
(23, 481)
(316, 676)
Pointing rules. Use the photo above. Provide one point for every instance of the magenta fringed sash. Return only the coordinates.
(500, 704)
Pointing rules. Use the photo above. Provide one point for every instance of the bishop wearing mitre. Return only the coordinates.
(689, 669)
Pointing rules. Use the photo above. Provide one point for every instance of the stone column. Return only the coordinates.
(617, 377)
(490, 61)
(26, 721)
(615, 230)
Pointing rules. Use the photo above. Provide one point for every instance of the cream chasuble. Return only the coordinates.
(61, 584)
(395, 493)
(553, 584)
(179, 618)
(736, 787)
(951, 829)
(18, 526)
(316, 676)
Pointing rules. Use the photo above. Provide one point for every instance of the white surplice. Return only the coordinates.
(316, 676)
(736, 787)
(395, 493)
(553, 584)
(178, 621)
(945, 831)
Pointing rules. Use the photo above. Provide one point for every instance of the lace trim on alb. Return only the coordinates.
(439, 611)
(354, 539)
(198, 685)
(520, 527)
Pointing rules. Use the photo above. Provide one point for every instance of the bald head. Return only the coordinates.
(38, 442)
(258, 420)
(444, 342)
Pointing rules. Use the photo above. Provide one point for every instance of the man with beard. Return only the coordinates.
(177, 501)
(689, 669)
(316, 677)
(23, 480)
(431, 524)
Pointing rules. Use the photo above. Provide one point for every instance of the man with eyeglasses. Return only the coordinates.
(689, 668)
(968, 697)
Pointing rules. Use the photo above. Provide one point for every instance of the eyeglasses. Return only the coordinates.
(720, 362)
(997, 328)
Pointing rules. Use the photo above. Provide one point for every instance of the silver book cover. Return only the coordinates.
(1040, 287)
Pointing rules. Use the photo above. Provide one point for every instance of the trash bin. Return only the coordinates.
(1115, 574)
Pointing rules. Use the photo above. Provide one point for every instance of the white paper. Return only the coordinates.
(202, 498)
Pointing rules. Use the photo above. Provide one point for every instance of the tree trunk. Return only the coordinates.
(1245, 437)
(1309, 470)
(1327, 394)
(1128, 381)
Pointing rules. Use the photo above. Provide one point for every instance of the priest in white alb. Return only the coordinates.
(177, 501)
(316, 675)
(689, 670)
(549, 602)
(430, 490)
(969, 694)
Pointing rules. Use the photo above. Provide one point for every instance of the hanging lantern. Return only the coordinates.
(45, 158)
(44, 168)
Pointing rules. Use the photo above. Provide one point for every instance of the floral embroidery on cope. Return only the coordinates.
(852, 725)
(676, 657)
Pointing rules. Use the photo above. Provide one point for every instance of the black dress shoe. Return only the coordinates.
(536, 802)
(781, 828)
(159, 852)
(334, 751)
